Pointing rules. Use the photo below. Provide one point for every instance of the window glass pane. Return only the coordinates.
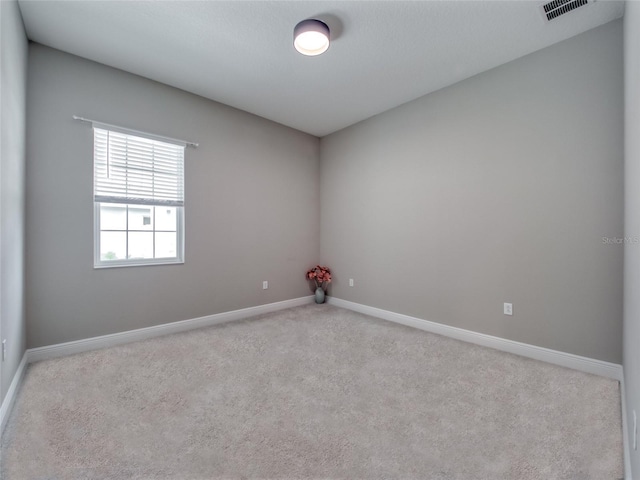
(166, 218)
(140, 245)
(113, 246)
(166, 245)
(113, 216)
(140, 217)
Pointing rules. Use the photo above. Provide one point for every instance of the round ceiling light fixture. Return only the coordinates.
(311, 37)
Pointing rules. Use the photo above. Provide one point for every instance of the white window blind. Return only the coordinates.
(136, 170)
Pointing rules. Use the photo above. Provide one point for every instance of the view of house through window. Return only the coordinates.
(137, 231)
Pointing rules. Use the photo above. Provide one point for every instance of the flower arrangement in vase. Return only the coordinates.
(322, 277)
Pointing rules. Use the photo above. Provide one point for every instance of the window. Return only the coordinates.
(138, 199)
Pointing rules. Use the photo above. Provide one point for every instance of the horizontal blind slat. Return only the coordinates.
(137, 201)
(130, 169)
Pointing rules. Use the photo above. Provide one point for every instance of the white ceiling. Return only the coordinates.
(383, 53)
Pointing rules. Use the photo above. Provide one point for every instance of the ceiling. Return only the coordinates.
(383, 53)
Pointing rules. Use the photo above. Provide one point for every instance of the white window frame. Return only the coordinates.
(98, 263)
(137, 262)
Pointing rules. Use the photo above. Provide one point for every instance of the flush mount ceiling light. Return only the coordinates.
(311, 37)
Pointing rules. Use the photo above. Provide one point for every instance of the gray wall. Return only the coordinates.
(497, 189)
(631, 342)
(252, 205)
(13, 86)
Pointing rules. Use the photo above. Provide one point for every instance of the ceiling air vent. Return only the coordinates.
(556, 8)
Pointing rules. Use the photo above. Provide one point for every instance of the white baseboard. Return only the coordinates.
(10, 397)
(94, 343)
(583, 364)
(625, 433)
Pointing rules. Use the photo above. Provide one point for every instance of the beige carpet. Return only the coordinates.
(311, 392)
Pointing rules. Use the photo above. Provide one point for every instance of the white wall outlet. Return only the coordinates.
(635, 431)
(508, 308)
(351, 282)
(265, 285)
(4, 349)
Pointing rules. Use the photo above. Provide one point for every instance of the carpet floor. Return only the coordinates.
(310, 392)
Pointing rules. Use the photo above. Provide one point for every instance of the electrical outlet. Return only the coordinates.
(4, 349)
(265, 285)
(635, 431)
(508, 308)
(351, 282)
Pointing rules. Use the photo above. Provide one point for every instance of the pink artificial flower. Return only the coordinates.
(320, 275)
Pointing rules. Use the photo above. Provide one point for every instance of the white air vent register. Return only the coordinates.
(556, 8)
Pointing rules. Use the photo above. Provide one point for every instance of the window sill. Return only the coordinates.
(138, 264)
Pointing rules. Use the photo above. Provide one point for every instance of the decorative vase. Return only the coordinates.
(319, 295)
